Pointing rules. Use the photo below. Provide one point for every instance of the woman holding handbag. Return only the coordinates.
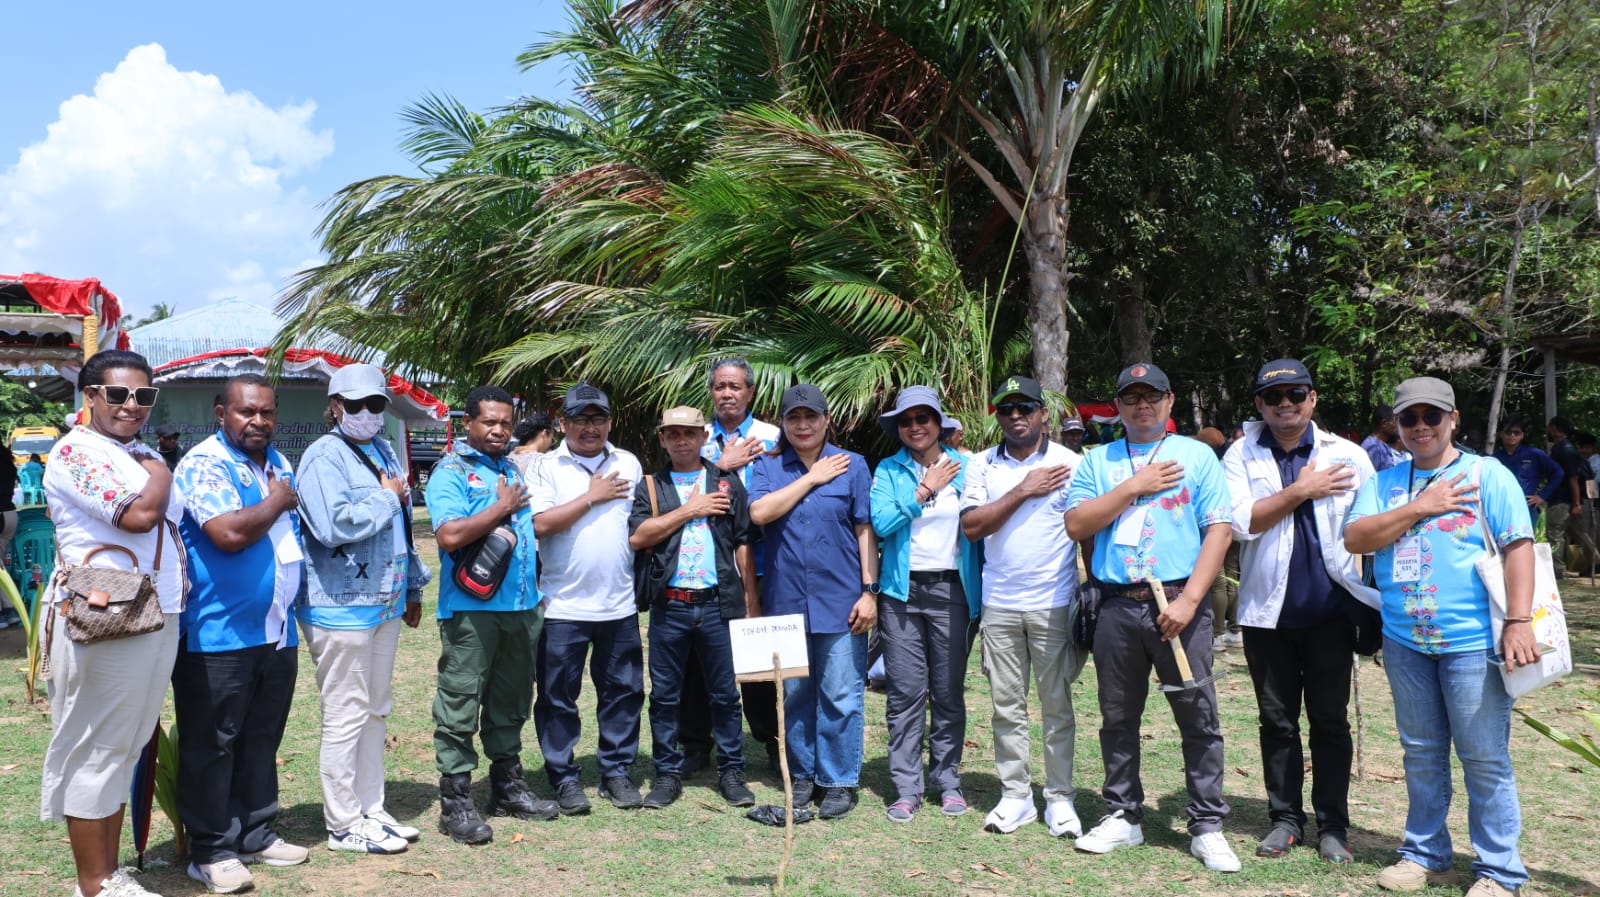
(107, 490)
(363, 579)
(1421, 520)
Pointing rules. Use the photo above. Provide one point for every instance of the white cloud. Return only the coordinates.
(167, 186)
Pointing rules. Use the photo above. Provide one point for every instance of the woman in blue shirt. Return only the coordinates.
(930, 591)
(810, 498)
(1426, 521)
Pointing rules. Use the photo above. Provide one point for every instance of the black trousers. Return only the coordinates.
(231, 708)
(1310, 666)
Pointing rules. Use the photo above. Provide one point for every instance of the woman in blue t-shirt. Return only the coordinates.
(1425, 521)
(810, 498)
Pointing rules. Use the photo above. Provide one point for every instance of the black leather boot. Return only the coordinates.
(509, 794)
(458, 817)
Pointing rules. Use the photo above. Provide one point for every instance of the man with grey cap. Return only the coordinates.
(167, 445)
(691, 525)
(1292, 483)
(580, 508)
(1072, 433)
(1014, 498)
(931, 586)
(1156, 506)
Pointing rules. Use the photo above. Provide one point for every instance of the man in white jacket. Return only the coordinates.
(1291, 484)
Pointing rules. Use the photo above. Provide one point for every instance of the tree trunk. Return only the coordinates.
(1133, 321)
(1045, 243)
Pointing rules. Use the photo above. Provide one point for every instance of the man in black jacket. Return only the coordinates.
(691, 525)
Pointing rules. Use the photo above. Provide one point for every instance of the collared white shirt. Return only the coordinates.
(1252, 474)
(1029, 563)
(586, 571)
(90, 481)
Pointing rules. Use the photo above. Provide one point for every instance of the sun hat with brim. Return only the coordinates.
(915, 397)
(357, 381)
(1424, 391)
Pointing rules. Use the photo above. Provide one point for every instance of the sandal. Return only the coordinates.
(952, 802)
(903, 809)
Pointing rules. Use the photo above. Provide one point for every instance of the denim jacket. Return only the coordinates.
(348, 520)
(894, 506)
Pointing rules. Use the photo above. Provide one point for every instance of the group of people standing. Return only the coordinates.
(936, 548)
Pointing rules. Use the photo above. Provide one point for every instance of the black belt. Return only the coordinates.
(691, 596)
(928, 577)
(1141, 591)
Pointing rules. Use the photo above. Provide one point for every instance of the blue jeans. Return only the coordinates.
(1456, 699)
(826, 714)
(675, 626)
(616, 666)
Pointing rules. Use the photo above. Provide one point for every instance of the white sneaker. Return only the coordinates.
(1212, 849)
(222, 877)
(1062, 818)
(1229, 640)
(1113, 831)
(120, 884)
(278, 853)
(1010, 814)
(395, 826)
(367, 836)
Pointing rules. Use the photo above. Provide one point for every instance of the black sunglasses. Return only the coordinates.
(375, 404)
(143, 396)
(915, 420)
(1432, 418)
(1296, 394)
(1006, 409)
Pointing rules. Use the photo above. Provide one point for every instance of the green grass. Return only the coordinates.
(699, 847)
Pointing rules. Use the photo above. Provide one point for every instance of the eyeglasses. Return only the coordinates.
(1006, 409)
(915, 420)
(1134, 399)
(1432, 418)
(375, 404)
(1296, 394)
(143, 396)
(589, 420)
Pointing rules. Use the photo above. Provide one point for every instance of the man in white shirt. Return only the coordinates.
(580, 515)
(1291, 484)
(1015, 499)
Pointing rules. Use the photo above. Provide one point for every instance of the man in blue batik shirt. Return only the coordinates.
(1157, 507)
(234, 677)
(487, 645)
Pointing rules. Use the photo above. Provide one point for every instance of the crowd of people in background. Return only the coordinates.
(548, 553)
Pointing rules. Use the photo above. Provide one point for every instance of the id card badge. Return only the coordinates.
(1408, 559)
(1129, 523)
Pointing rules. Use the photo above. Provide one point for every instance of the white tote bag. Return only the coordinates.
(1549, 619)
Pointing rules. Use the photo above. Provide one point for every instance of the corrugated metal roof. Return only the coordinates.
(222, 325)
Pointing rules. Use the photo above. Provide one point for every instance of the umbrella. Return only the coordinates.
(143, 793)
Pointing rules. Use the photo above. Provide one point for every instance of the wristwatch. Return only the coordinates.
(872, 588)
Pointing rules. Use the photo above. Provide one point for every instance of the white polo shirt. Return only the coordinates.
(1029, 563)
(586, 571)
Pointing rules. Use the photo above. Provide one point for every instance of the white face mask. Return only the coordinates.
(361, 425)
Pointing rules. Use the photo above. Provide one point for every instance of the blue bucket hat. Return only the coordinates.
(912, 397)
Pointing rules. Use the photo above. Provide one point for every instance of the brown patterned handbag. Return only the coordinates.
(104, 604)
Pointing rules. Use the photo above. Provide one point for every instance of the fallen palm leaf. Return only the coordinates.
(420, 873)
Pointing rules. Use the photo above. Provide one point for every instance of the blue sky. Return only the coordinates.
(178, 150)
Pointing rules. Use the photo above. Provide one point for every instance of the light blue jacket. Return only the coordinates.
(894, 506)
(348, 521)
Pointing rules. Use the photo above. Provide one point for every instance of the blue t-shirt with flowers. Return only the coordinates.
(697, 553)
(1445, 610)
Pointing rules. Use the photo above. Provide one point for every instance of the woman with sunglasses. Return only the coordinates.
(931, 589)
(363, 578)
(1426, 521)
(105, 487)
(810, 498)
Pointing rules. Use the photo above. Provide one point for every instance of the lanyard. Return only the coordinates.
(1128, 447)
(1411, 476)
